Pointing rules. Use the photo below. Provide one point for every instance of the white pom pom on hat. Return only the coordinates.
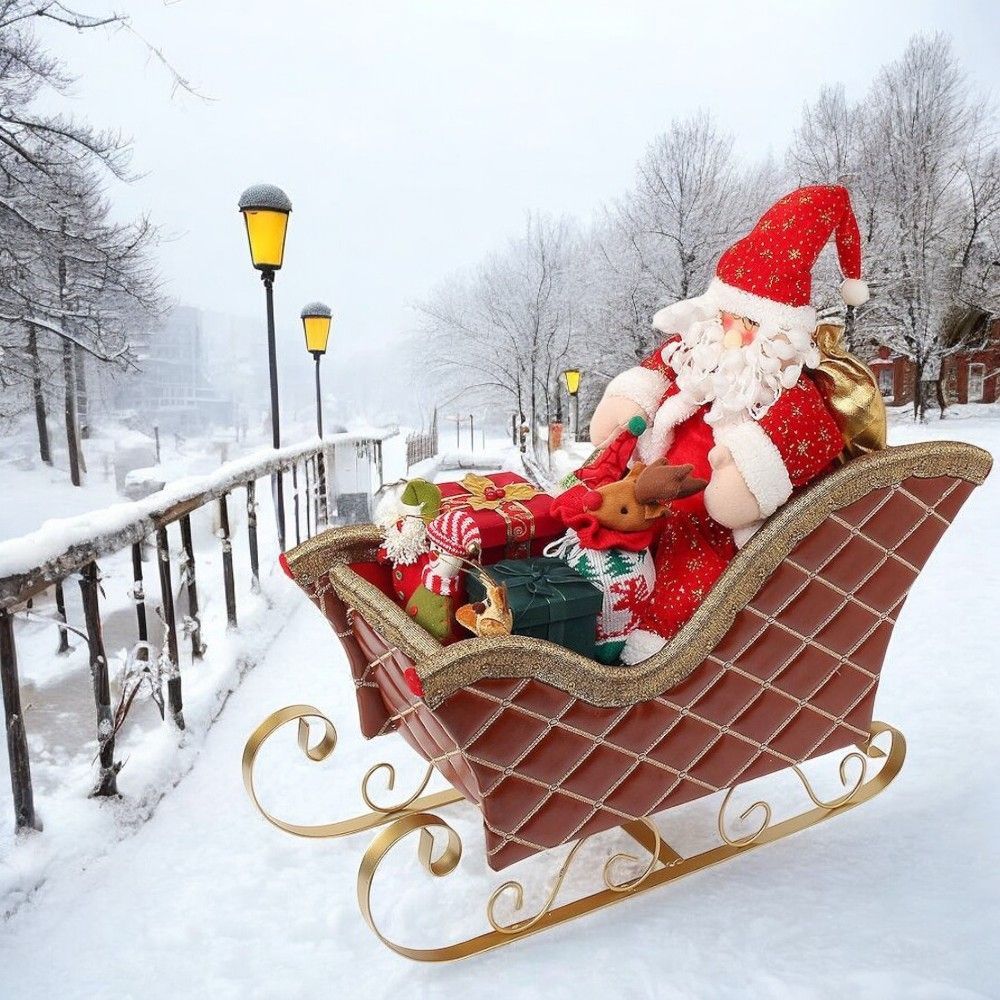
(854, 291)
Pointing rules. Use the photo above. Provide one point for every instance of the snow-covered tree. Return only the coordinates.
(501, 332)
(919, 154)
(658, 243)
(72, 278)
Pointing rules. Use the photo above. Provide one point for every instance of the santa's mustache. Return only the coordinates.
(747, 378)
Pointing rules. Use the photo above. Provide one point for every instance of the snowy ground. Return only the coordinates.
(899, 898)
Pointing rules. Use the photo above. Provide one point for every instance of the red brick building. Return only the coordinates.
(970, 377)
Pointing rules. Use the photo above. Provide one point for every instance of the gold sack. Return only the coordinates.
(851, 392)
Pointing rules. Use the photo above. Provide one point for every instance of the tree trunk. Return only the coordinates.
(850, 324)
(533, 422)
(942, 398)
(82, 400)
(39, 396)
(69, 378)
(72, 444)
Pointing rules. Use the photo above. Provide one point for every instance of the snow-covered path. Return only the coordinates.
(898, 898)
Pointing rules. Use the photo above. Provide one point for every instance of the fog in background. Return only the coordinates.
(412, 138)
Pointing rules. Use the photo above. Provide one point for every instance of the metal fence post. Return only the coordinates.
(227, 561)
(295, 494)
(174, 696)
(252, 532)
(61, 612)
(309, 499)
(139, 596)
(107, 782)
(17, 740)
(197, 646)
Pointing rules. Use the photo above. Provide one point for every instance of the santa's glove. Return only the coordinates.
(661, 483)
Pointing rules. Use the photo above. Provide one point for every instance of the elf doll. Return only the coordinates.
(729, 393)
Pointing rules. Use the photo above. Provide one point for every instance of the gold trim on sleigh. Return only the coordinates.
(443, 670)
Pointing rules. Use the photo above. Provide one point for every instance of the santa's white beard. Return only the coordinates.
(738, 380)
(404, 532)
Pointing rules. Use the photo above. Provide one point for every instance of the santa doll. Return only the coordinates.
(729, 393)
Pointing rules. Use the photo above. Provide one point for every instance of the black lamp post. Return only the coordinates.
(317, 318)
(572, 377)
(265, 210)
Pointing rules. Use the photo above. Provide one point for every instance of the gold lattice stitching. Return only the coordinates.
(722, 731)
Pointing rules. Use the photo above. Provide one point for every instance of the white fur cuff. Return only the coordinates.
(640, 645)
(743, 535)
(760, 463)
(642, 385)
(658, 438)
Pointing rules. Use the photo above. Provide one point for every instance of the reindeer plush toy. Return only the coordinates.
(612, 521)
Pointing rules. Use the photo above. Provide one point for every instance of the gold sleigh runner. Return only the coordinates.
(779, 666)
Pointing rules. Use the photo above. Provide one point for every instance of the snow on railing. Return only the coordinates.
(35, 562)
(62, 545)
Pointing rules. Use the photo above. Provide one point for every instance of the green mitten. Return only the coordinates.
(434, 612)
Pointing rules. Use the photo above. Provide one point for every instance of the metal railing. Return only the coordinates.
(77, 551)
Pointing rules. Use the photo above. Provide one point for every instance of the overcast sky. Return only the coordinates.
(412, 137)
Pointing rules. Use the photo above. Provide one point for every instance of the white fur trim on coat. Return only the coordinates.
(653, 444)
(640, 645)
(643, 386)
(759, 309)
(759, 462)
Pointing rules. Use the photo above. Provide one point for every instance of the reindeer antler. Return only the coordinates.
(660, 483)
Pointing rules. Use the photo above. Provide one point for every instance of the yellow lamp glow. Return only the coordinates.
(572, 378)
(265, 210)
(317, 318)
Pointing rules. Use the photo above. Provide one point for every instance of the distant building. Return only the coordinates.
(173, 389)
(970, 377)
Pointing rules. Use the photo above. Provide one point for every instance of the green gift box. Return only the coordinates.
(549, 600)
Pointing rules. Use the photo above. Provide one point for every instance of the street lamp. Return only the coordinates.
(265, 210)
(316, 321)
(572, 379)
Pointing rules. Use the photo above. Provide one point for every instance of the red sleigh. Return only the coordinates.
(779, 665)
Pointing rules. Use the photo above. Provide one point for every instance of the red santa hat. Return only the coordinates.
(767, 275)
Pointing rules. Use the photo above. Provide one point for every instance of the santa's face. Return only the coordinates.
(738, 330)
(738, 366)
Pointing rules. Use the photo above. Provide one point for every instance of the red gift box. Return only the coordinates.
(513, 517)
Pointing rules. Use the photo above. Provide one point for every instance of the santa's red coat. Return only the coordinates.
(795, 441)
